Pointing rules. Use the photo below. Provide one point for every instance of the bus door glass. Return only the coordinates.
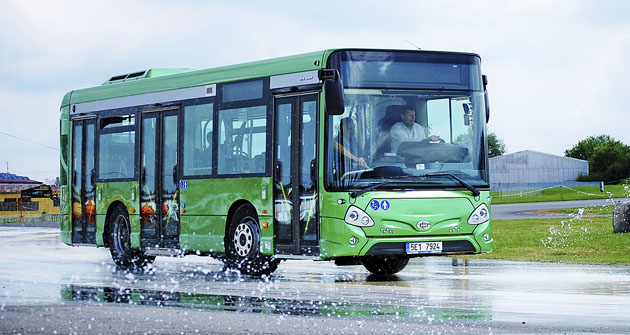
(159, 194)
(83, 177)
(296, 219)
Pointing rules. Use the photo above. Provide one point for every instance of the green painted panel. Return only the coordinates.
(335, 237)
(202, 233)
(482, 229)
(115, 193)
(64, 176)
(66, 215)
(447, 211)
(446, 216)
(205, 205)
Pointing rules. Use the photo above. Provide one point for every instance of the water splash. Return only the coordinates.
(568, 233)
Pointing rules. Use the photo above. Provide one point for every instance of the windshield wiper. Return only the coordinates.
(375, 186)
(474, 191)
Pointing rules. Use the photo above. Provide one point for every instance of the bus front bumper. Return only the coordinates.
(481, 241)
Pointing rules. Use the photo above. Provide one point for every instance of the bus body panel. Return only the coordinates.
(335, 239)
(207, 202)
(64, 176)
(125, 193)
(400, 216)
(446, 211)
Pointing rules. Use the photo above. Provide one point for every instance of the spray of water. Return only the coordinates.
(570, 230)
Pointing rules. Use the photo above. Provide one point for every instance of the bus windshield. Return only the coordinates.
(406, 116)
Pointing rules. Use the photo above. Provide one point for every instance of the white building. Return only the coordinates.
(528, 170)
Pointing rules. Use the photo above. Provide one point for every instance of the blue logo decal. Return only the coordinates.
(374, 204)
(385, 205)
(183, 205)
(183, 184)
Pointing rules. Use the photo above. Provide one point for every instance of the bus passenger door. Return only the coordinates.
(159, 192)
(83, 182)
(296, 220)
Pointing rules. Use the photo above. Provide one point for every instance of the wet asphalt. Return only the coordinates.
(48, 287)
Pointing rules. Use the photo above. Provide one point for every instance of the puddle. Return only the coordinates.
(263, 305)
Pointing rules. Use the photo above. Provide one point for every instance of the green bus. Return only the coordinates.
(356, 156)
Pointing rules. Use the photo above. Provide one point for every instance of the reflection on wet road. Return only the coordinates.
(36, 268)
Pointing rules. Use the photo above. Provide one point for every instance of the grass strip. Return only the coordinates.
(587, 240)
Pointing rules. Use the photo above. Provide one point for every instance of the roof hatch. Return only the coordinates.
(150, 73)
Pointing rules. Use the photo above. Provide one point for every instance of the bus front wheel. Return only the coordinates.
(123, 254)
(384, 265)
(242, 245)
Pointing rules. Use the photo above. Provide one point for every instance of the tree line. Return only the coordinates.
(608, 158)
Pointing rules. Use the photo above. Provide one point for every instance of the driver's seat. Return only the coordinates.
(392, 115)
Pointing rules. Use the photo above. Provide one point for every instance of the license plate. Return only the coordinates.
(424, 247)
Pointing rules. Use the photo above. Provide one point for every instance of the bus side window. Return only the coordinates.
(198, 139)
(117, 148)
(243, 140)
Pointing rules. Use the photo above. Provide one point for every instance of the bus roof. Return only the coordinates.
(156, 80)
(121, 88)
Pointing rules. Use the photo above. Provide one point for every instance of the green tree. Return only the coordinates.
(585, 148)
(609, 159)
(610, 162)
(496, 147)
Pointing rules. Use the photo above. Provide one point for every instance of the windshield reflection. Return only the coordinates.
(389, 134)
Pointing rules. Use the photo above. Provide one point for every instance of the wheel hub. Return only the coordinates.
(243, 239)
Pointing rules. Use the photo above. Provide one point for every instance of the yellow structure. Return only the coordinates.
(27, 199)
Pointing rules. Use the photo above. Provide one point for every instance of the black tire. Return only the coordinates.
(242, 245)
(384, 265)
(123, 254)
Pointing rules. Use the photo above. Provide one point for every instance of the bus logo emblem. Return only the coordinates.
(385, 205)
(422, 225)
(374, 204)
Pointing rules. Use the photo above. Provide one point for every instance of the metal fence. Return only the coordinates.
(30, 218)
(539, 192)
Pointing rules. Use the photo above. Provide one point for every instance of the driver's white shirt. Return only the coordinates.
(400, 133)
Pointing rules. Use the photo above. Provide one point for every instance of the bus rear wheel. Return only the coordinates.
(385, 265)
(120, 248)
(242, 245)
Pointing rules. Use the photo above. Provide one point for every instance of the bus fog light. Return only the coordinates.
(486, 237)
(352, 240)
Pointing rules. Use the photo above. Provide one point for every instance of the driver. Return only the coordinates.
(407, 130)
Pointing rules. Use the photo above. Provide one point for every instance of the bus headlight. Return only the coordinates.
(357, 217)
(480, 215)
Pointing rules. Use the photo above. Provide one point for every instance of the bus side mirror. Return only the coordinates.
(485, 96)
(467, 114)
(333, 92)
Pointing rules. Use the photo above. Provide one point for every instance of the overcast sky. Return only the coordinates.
(559, 70)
